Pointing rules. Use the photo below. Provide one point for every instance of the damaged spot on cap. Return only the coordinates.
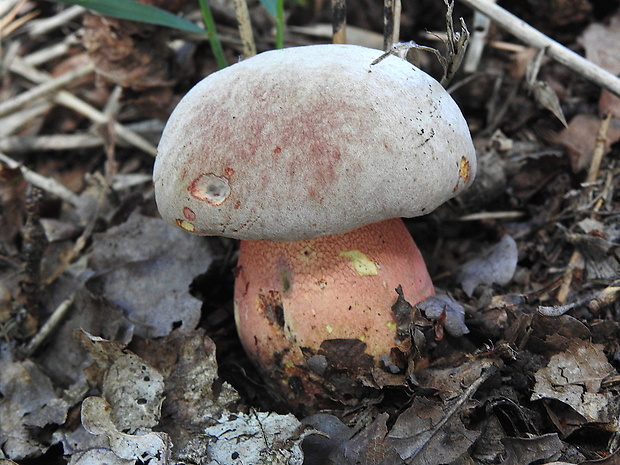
(189, 214)
(464, 170)
(210, 188)
(361, 263)
(186, 225)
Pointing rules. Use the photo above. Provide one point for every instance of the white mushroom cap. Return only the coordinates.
(309, 141)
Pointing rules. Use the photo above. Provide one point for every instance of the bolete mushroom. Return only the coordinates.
(311, 156)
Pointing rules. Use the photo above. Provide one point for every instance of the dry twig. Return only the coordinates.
(535, 38)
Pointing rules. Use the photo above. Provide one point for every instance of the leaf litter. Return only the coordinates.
(516, 364)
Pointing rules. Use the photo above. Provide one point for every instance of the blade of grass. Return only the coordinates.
(216, 45)
(280, 24)
(136, 11)
(276, 9)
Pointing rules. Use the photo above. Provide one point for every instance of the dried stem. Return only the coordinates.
(245, 28)
(339, 21)
(535, 38)
(69, 100)
(599, 149)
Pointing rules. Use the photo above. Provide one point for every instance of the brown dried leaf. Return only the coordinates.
(574, 377)
(12, 208)
(601, 42)
(523, 451)
(422, 434)
(132, 387)
(29, 403)
(496, 264)
(579, 138)
(128, 53)
(195, 396)
(260, 438)
(146, 266)
(546, 97)
(151, 447)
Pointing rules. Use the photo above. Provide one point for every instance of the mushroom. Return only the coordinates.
(311, 155)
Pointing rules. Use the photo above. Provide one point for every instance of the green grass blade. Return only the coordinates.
(136, 11)
(280, 24)
(216, 45)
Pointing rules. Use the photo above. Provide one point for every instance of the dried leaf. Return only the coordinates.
(600, 262)
(574, 377)
(368, 447)
(497, 264)
(29, 403)
(150, 447)
(546, 97)
(444, 306)
(132, 387)
(423, 434)
(601, 41)
(523, 451)
(12, 208)
(145, 267)
(328, 436)
(259, 438)
(64, 357)
(195, 396)
(579, 138)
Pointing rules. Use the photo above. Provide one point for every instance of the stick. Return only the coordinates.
(49, 326)
(46, 88)
(339, 21)
(69, 100)
(599, 149)
(535, 38)
(47, 184)
(245, 28)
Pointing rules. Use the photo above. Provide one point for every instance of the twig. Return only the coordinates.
(82, 241)
(12, 123)
(339, 21)
(391, 23)
(245, 28)
(47, 87)
(535, 38)
(34, 244)
(41, 27)
(7, 5)
(477, 42)
(8, 23)
(24, 144)
(71, 101)
(595, 302)
(488, 368)
(503, 215)
(599, 149)
(47, 184)
(456, 44)
(576, 262)
(49, 326)
(49, 53)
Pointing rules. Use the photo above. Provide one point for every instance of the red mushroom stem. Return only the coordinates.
(291, 297)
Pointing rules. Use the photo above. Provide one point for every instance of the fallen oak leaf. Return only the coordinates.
(497, 264)
(574, 377)
(97, 419)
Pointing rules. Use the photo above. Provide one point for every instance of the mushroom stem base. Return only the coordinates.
(316, 315)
